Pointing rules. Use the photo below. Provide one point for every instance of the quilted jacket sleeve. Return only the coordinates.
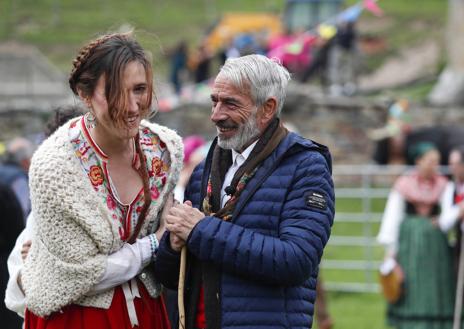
(167, 264)
(294, 254)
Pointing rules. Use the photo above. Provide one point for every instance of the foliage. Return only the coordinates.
(60, 27)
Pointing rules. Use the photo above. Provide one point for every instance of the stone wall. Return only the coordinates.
(342, 123)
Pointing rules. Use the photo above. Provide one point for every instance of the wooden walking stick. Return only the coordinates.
(180, 289)
(460, 290)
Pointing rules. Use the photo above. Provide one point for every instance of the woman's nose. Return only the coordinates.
(134, 103)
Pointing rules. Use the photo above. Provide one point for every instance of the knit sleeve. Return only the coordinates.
(73, 232)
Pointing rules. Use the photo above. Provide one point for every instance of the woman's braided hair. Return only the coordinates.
(83, 55)
(109, 56)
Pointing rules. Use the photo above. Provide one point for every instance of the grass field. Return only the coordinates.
(354, 310)
(60, 27)
(357, 311)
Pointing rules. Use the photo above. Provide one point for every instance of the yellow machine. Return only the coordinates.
(298, 15)
(233, 24)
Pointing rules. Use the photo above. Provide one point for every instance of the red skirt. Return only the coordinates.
(151, 313)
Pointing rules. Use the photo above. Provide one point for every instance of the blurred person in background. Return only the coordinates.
(98, 188)
(200, 63)
(452, 205)
(324, 320)
(193, 155)
(342, 61)
(10, 228)
(14, 296)
(14, 171)
(411, 233)
(178, 58)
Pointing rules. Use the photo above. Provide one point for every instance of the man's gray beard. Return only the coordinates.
(245, 134)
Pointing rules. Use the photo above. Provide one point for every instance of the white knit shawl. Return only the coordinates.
(75, 232)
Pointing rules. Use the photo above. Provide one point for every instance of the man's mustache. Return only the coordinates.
(226, 124)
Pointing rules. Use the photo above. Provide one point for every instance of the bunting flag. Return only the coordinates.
(373, 7)
(350, 14)
(326, 31)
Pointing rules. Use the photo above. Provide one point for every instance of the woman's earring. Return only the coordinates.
(91, 120)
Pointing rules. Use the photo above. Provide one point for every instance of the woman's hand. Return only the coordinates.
(176, 242)
(162, 224)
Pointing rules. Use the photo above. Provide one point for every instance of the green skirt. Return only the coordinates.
(429, 287)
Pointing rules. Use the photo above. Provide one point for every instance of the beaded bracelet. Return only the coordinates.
(154, 244)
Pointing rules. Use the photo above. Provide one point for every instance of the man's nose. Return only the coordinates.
(216, 113)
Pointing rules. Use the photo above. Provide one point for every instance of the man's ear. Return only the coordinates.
(268, 111)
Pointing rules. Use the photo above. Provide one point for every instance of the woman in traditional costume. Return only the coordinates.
(414, 241)
(98, 188)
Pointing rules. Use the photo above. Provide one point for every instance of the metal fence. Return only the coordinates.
(361, 185)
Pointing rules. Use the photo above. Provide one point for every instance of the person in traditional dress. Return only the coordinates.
(411, 233)
(99, 185)
(452, 205)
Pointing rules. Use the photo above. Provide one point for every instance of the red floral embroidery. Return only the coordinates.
(154, 193)
(162, 144)
(110, 203)
(96, 175)
(153, 140)
(157, 166)
(163, 180)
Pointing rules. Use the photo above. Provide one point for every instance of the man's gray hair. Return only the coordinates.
(264, 77)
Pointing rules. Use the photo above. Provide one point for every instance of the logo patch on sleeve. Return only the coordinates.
(315, 200)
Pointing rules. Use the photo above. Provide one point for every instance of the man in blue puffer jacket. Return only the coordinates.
(259, 211)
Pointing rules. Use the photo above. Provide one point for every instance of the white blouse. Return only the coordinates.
(394, 214)
(121, 266)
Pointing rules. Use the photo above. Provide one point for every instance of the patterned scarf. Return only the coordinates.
(222, 159)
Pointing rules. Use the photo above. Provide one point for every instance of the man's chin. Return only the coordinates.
(227, 143)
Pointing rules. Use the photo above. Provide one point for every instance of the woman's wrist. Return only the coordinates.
(154, 244)
(160, 232)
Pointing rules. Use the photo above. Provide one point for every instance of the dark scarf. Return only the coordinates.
(221, 162)
(207, 272)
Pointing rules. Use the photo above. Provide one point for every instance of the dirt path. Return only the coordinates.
(411, 64)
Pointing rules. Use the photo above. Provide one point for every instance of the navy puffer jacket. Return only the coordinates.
(269, 254)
